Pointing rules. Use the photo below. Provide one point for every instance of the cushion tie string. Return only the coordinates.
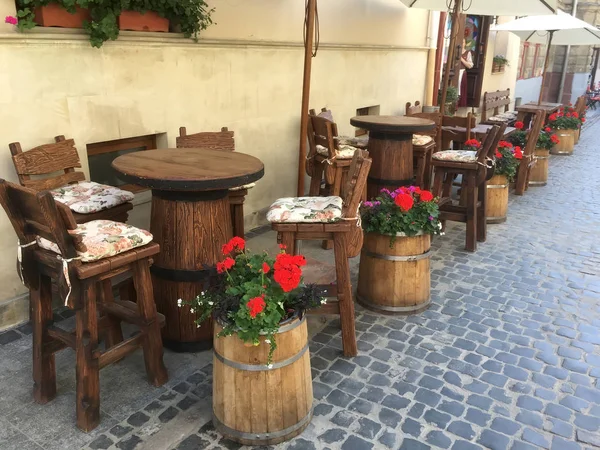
(20, 248)
(65, 270)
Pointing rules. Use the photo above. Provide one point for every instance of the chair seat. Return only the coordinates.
(103, 239)
(421, 139)
(359, 141)
(343, 152)
(305, 209)
(245, 186)
(464, 156)
(88, 197)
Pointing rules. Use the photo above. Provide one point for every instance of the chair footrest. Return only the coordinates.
(128, 312)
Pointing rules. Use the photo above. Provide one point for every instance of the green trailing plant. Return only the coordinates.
(547, 139)
(451, 95)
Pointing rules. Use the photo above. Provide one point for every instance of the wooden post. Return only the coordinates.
(438, 59)
(308, 55)
(551, 34)
(451, 46)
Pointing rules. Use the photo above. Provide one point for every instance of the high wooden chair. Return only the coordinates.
(220, 140)
(522, 181)
(36, 169)
(425, 144)
(329, 218)
(475, 168)
(79, 259)
(456, 129)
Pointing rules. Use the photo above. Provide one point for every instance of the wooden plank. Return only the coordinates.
(56, 182)
(47, 158)
(120, 350)
(67, 337)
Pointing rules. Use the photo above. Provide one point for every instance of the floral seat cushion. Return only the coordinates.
(498, 118)
(343, 151)
(359, 141)
(245, 186)
(462, 156)
(421, 139)
(103, 239)
(305, 209)
(88, 197)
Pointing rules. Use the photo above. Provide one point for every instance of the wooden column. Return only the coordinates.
(451, 47)
(550, 36)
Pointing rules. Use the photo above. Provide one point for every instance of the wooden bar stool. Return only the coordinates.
(220, 140)
(475, 167)
(88, 200)
(82, 260)
(329, 218)
(424, 144)
(522, 181)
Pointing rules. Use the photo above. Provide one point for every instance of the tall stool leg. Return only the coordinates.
(44, 369)
(152, 343)
(481, 212)
(288, 238)
(344, 291)
(471, 244)
(87, 371)
(113, 333)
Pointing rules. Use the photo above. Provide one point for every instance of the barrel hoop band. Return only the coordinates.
(538, 183)
(225, 430)
(262, 367)
(497, 186)
(490, 218)
(542, 157)
(425, 255)
(556, 152)
(400, 309)
(389, 182)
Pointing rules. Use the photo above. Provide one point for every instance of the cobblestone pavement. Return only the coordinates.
(507, 357)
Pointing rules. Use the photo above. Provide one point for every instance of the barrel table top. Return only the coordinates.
(533, 107)
(188, 169)
(393, 124)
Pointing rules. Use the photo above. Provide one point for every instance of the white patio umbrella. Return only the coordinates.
(558, 29)
(483, 7)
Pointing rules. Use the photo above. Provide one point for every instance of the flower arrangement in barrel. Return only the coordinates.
(566, 118)
(255, 293)
(507, 159)
(546, 139)
(408, 210)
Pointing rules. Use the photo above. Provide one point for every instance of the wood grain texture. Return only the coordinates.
(215, 140)
(393, 124)
(47, 158)
(538, 175)
(384, 285)
(392, 161)
(266, 401)
(566, 144)
(44, 368)
(497, 199)
(527, 161)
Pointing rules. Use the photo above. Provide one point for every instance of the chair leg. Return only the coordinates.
(237, 219)
(44, 369)
(288, 239)
(113, 333)
(315, 180)
(152, 342)
(521, 178)
(87, 371)
(437, 190)
(471, 240)
(481, 212)
(344, 292)
(427, 170)
(337, 190)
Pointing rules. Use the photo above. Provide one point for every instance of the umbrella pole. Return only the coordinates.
(308, 55)
(450, 61)
(546, 67)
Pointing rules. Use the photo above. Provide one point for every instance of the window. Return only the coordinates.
(531, 60)
(102, 154)
(366, 111)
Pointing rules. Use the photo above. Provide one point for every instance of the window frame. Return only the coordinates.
(523, 61)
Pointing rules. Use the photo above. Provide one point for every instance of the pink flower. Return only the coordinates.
(11, 20)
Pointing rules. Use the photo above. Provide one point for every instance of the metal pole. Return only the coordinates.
(450, 61)
(550, 35)
(565, 66)
(308, 55)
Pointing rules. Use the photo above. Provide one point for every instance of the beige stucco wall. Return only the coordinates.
(246, 73)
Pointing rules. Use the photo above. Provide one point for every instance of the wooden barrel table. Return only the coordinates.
(191, 220)
(394, 278)
(390, 148)
(538, 175)
(497, 199)
(255, 403)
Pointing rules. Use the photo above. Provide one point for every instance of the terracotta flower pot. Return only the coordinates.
(54, 15)
(149, 21)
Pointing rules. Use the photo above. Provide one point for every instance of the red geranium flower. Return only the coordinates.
(287, 271)
(548, 130)
(552, 117)
(575, 114)
(554, 139)
(404, 201)
(266, 268)
(568, 114)
(505, 144)
(583, 120)
(473, 143)
(518, 153)
(519, 125)
(227, 264)
(498, 154)
(426, 196)
(256, 305)
(236, 243)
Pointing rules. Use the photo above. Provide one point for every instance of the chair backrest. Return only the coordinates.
(436, 117)
(534, 134)
(580, 105)
(36, 167)
(464, 122)
(411, 110)
(356, 181)
(322, 131)
(490, 143)
(213, 140)
(495, 100)
(34, 214)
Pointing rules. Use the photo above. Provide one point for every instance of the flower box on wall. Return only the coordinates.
(149, 21)
(498, 68)
(54, 15)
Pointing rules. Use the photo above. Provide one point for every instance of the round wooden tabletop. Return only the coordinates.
(188, 169)
(393, 124)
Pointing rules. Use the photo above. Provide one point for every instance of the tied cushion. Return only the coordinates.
(103, 239)
(246, 186)
(88, 197)
(359, 142)
(343, 152)
(306, 209)
(420, 139)
(456, 156)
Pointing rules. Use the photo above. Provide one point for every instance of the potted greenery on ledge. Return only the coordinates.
(499, 63)
(394, 272)
(260, 337)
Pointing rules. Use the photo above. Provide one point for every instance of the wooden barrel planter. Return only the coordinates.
(497, 199)
(538, 175)
(394, 278)
(256, 404)
(566, 144)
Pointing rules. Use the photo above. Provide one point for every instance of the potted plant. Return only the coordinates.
(260, 335)
(394, 272)
(538, 175)
(565, 122)
(451, 100)
(498, 64)
(46, 13)
(506, 162)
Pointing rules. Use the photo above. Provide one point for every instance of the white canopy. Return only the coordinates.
(568, 30)
(490, 7)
